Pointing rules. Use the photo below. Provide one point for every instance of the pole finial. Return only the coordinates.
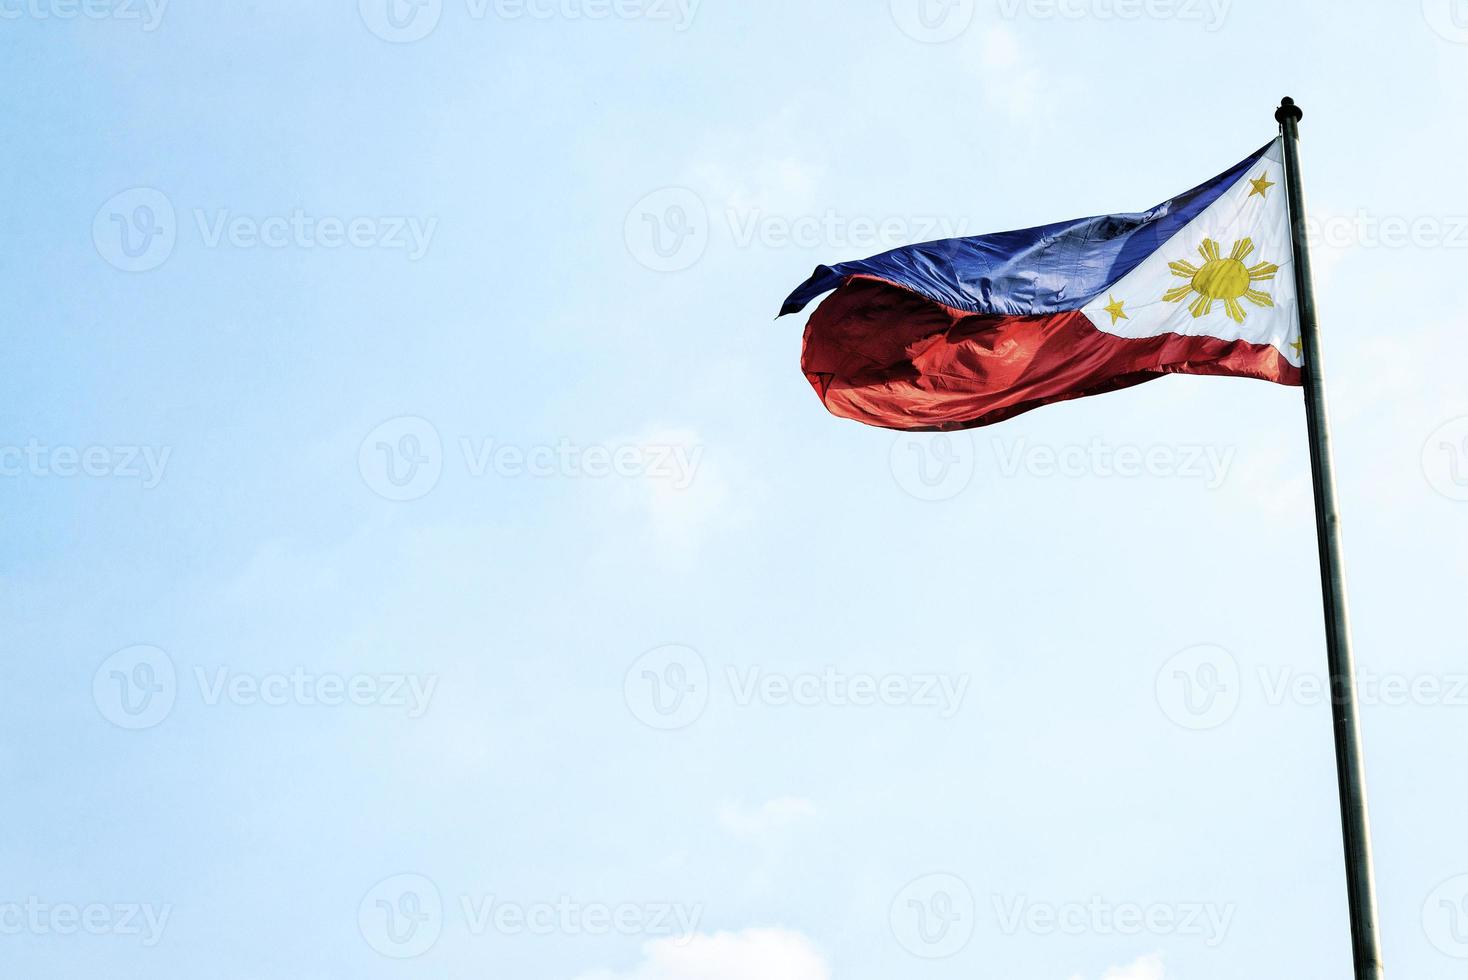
(1288, 110)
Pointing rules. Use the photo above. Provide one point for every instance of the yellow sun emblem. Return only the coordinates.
(1222, 279)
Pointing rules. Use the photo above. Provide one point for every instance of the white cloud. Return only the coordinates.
(752, 954)
(1272, 478)
(692, 491)
(1146, 968)
(772, 815)
(1012, 82)
(771, 168)
(999, 49)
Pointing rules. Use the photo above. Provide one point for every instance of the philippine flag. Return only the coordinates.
(969, 331)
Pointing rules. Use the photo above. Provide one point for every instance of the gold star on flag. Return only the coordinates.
(1117, 309)
(1261, 186)
(1299, 348)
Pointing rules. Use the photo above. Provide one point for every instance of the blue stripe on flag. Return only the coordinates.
(1048, 269)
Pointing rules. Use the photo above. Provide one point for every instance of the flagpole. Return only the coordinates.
(1350, 769)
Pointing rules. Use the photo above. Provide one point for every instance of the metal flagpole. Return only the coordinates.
(1350, 771)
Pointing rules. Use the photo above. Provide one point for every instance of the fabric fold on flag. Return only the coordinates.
(967, 332)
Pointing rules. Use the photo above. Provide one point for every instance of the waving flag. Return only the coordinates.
(966, 332)
(969, 331)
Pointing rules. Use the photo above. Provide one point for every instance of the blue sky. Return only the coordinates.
(422, 555)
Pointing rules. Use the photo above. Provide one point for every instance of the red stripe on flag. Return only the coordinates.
(885, 356)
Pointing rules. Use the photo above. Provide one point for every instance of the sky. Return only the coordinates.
(421, 555)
